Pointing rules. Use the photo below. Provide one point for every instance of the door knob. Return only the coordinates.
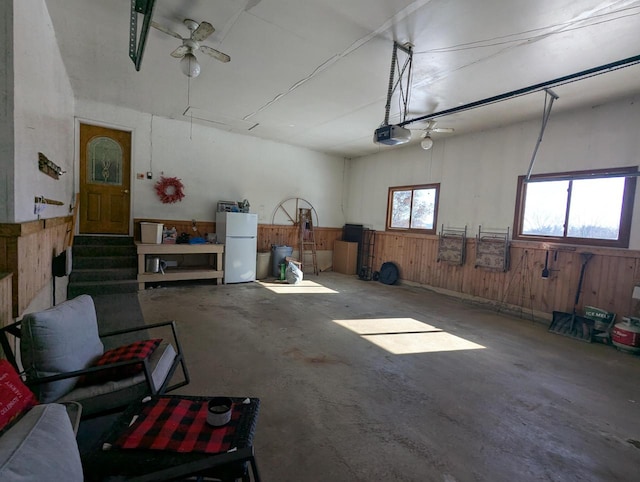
(126, 191)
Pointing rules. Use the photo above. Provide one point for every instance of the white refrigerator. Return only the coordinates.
(239, 234)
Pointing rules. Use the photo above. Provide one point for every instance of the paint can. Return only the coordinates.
(626, 335)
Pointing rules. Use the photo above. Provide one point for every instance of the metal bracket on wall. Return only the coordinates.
(45, 200)
(49, 167)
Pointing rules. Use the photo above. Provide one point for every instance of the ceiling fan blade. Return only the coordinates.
(443, 130)
(202, 32)
(180, 52)
(163, 29)
(216, 54)
(431, 124)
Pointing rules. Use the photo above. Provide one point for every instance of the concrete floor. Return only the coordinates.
(381, 399)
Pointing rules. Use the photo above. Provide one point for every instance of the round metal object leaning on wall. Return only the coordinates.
(389, 273)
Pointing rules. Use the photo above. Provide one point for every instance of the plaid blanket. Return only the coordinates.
(178, 425)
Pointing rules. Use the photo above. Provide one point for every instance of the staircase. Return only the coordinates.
(103, 265)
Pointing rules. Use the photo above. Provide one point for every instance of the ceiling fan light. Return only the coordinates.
(426, 143)
(189, 65)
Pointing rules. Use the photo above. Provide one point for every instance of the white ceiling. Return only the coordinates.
(314, 73)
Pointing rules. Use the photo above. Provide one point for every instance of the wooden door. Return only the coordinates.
(105, 180)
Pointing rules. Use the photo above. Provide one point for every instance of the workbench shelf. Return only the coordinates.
(211, 270)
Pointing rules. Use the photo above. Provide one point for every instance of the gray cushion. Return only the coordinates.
(59, 340)
(41, 446)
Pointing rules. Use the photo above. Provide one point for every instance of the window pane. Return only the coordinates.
(595, 209)
(545, 208)
(104, 161)
(423, 208)
(400, 209)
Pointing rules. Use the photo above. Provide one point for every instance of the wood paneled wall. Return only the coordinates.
(608, 282)
(268, 234)
(6, 312)
(27, 251)
(5, 299)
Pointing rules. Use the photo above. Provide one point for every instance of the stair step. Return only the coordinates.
(101, 287)
(89, 250)
(105, 262)
(103, 265)
(83, 240)
(110, 274)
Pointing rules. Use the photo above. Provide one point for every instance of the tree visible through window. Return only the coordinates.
(592, 207)
(413, 208)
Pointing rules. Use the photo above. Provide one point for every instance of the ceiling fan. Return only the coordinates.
(427, 142)
(198, 33)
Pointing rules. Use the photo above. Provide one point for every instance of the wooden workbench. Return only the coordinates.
(211, 270)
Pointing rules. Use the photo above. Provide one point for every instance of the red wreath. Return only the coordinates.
(169, 189)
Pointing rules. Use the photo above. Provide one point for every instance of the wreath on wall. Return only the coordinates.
(169, 189)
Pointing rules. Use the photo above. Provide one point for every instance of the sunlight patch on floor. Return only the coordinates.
(402, 336)
(378, 326)
(304, 287)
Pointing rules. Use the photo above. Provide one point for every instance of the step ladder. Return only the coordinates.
(307, 246)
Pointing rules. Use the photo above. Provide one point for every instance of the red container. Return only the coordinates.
(626, 335)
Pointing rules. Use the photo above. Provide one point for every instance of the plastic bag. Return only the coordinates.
(293, 274)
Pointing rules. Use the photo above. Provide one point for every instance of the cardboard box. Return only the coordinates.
(151, 233)
(345, 257)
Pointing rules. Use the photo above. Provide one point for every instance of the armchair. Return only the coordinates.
(59, 347)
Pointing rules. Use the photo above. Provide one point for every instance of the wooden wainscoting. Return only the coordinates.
(268, 234)
(6, 311)
(608, 283)
(27, 251)
(6, 316)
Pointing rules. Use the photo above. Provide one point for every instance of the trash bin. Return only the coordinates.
(262, 265)
(279, 253)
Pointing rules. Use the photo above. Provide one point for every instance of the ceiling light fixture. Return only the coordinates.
(426, 143)
(189, 65)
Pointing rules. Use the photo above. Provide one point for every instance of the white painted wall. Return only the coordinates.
(478, 172)
(6, 112)
(216, 165)
(43, 115)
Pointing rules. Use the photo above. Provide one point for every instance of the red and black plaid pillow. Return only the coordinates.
(138, 350)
